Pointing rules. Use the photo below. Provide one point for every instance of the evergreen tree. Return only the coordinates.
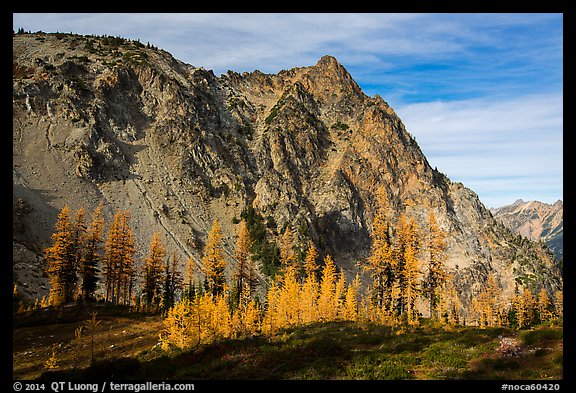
(559, 304)
(289, 303)
(61, 260)
(435, 274)
(118, 268)
(310, 266)
(153, 272)
(381, 263)
(326, 302)
(172, 282)
(91, 257)
(309, 292)
(244, 275)
(190, 288)
(407, 269)
(213, 262)
(449, 303)
(339, 294)
(287, 254)
(524, 308)
(545, 307)
(350, 311)
(411, 277)
(488, 304)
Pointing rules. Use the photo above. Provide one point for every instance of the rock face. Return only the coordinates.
(105, 119)
(535, 221)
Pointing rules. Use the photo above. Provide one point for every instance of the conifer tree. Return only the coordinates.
(339, 294)
(172, 282)
(559, 304)
(190, 288)
(310, 266)
(91, 326)
(524, 307)
(61, 259)
(90, 258)
(487, 305)
(287, 254)
(435, 272)
(153, 271)
(544, 306)
(449, 303)
(213, 262)
(381, 263)
(79, 236)
(251, 318)
(350, 311)
(244, 275)
(221, 322)
(289, 299)
(118, 267)
(326, 309)
(181, 326)
(411, 276)
(408, 272)
(309, 293)
(271, 320)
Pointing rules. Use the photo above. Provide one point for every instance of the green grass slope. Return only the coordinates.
(323, 351)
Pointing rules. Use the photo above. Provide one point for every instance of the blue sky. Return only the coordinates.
(481, 93)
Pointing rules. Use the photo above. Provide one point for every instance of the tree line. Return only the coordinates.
(408, 280)
(80, 261)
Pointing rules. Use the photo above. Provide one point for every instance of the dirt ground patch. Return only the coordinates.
(116, 336)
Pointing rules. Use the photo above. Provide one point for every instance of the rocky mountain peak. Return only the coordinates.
(178, 147)
(536, 221)
(328, 62)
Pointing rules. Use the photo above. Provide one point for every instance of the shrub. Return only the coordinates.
(531, 337)
(375, 367)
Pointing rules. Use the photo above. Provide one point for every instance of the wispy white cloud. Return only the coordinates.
(482, 93)
(503, 150)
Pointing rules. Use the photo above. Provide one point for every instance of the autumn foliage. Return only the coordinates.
(406, 267)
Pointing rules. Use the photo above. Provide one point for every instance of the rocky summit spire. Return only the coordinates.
(328, 61)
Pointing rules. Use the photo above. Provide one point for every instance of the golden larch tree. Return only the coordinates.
(350, 310)
(487, 306)
(153, 271)
(61, 260)
(408, 268)
(326, 309)
(310, 266)
(244, 277)
(309, 293)
(118, 269)
(559, 304)
(449, 304)
(435, 275)
(91, 255)
(524, 306)
(286, 246)
(544, 307)
(271, 321)
(381, 262)
(289, 302)
(213, 262)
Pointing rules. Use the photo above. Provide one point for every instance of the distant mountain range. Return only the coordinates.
(536, 221)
